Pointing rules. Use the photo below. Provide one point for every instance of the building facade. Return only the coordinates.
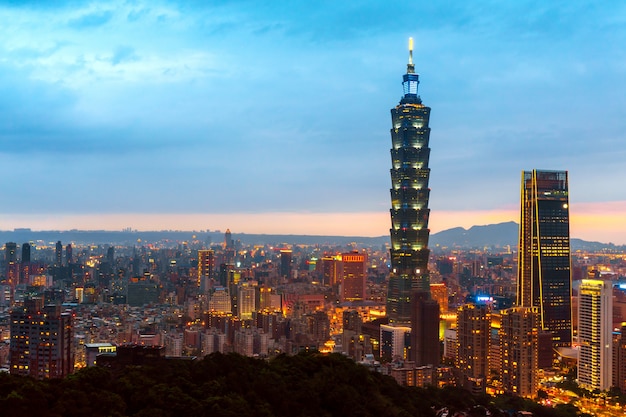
(41, 341)
(395, 342)
(518, 335)
(425, 348)
(206, 269)
(544, 272)
(11, 268)
(409, 198)
(595, 334)
(353, 276)
(331, 270)
(473, 324)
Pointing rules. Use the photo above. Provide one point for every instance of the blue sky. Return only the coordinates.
(247, 108)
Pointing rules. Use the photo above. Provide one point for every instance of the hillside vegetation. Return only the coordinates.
(233, 385)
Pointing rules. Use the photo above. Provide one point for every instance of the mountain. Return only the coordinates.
(501, 235)
(492, 235)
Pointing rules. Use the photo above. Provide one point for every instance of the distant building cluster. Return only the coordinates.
(192, 298)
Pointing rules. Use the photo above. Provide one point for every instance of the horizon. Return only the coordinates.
(576, 222)
(276, 120)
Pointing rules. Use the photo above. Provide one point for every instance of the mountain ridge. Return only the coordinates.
(498, 235)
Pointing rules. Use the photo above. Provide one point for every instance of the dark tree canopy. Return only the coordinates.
(232, 385)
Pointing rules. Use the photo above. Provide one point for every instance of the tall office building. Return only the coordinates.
(58, 252)
(69, 258)
(425, 349)
(41, 341)
(247, 299)
(11, 265)
(409, 198)
(353, 276)
(544, 277)
(595, 334)
(228, 240)
(25, 267)
(518, 339)
(10, 252)
(439, 293)
(286, 257)
(331, 270)
(229, 247)
(111, 255)
(26, 253)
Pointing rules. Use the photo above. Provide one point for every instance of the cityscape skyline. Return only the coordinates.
(132, 128)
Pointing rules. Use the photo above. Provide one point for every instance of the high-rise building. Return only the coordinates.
(544, 276)
(206, 269)
(595, 334)
(409, 198)
(58, 254)
(286, 256)
(264, 298)
(228, 240)
(69, 258)
(425, 349)
(41, 341)
(247, 299)
(11, 265)
(331, 270)
(353, 276)
(473, 323)
(229, 247)
(25, 265)
(111, 255)
(395, 342)
(10, 252)
(518, 338)
(439, 293)
(220, 301)
(26, 253)
(619, 359)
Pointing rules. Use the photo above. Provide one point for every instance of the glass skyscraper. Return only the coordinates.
(409, 199)
(544, 275)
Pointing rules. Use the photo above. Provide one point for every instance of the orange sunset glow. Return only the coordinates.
(603, 222)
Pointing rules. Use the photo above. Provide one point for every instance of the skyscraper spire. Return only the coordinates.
(410, 80)
(410, 68)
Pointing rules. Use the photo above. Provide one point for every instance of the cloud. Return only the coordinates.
(124, 54)
(91, 20)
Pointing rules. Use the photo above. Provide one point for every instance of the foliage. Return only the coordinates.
(308, 384)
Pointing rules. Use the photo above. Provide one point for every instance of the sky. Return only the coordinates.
(273, 117)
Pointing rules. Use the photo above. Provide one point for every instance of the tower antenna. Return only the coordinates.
(410, 68)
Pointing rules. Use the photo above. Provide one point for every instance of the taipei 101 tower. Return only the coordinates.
(409, 202)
